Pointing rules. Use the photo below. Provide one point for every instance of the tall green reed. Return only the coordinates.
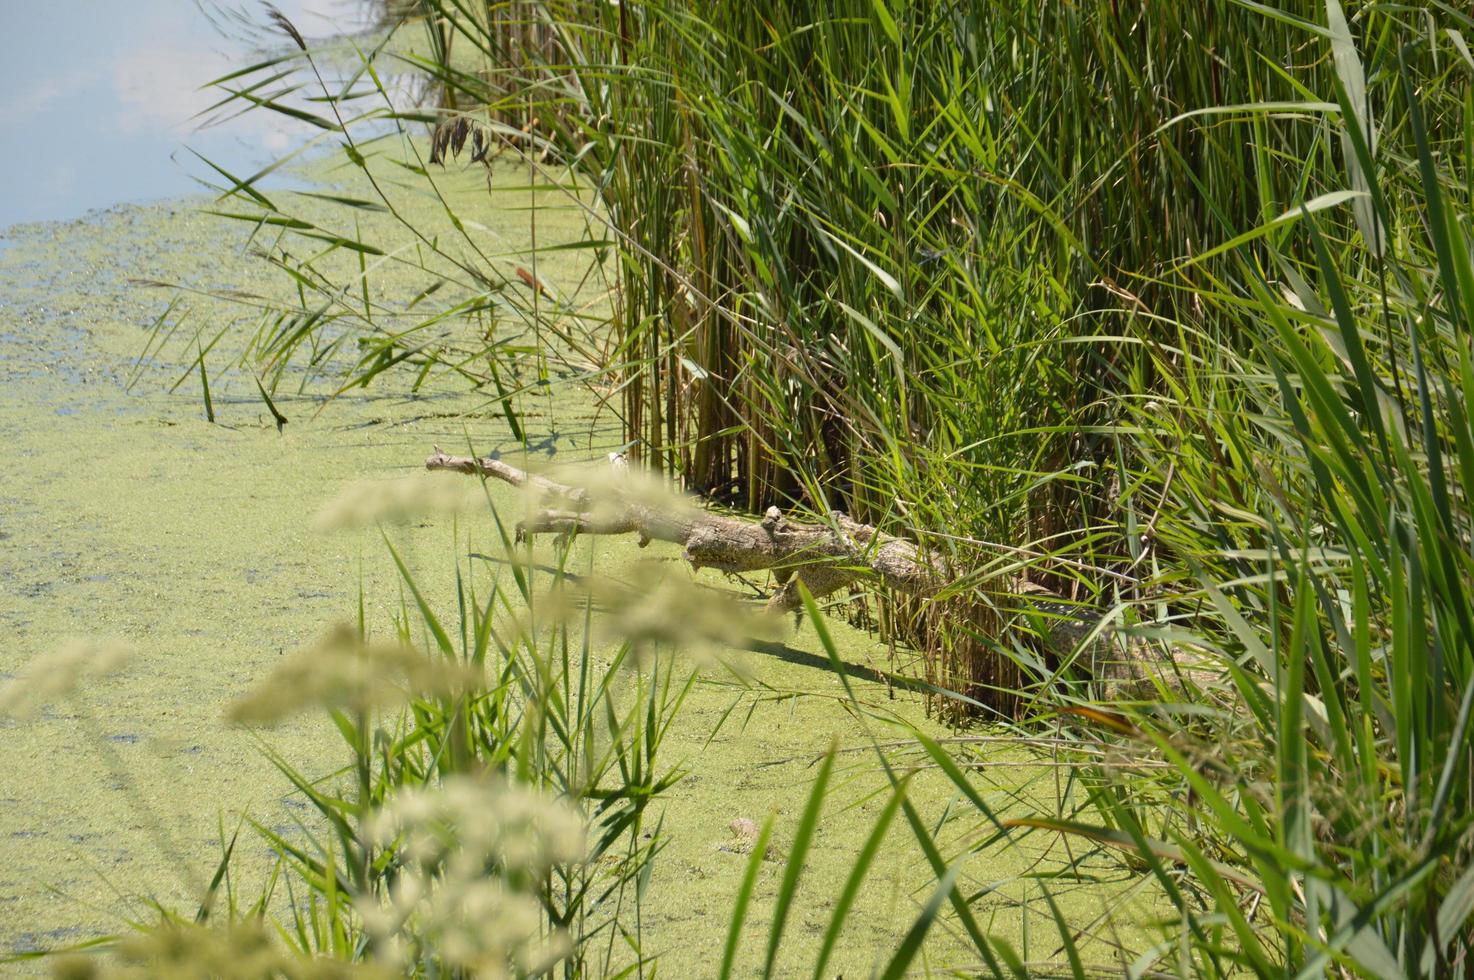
(1300, 481)
(901, 259)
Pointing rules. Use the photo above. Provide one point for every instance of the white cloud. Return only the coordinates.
(44, 94)
(159, 88)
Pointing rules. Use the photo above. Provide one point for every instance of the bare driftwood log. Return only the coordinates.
(824, 557)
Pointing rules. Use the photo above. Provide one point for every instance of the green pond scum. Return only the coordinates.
(126, 514)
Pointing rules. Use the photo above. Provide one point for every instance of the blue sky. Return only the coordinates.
(97, 97)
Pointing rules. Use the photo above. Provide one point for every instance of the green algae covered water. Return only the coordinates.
(124, 513)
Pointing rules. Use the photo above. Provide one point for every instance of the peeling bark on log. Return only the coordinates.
(824, 557)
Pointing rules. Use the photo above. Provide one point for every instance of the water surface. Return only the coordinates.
(101, 100)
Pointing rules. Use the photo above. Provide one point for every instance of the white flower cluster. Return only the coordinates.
(471, 853)
(342, 671)
(654, 605)
(243, 950)
(398, 501)
(56, 674)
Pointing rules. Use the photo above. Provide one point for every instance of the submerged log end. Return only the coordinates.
(820, 580)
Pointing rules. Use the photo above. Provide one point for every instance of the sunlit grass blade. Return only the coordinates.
(743, 900)
(797, 856)
(910, 944)
(859, 869)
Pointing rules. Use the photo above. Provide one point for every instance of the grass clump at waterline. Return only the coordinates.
(1166, 317)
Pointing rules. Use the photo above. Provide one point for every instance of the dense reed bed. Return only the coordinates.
(1164, 310)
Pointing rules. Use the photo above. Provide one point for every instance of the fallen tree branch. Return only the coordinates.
(824, 557)
(486, 466)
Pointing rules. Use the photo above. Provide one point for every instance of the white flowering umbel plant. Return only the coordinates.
(467, 862)
(491, 820)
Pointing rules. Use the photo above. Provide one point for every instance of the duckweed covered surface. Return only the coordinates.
(123, 513)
